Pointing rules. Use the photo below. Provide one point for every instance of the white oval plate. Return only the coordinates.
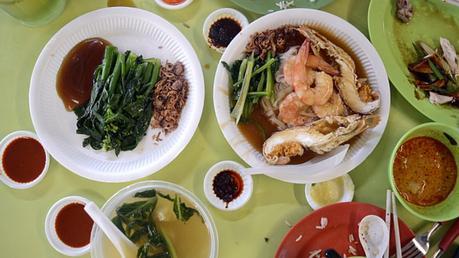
(128, 29)
(346, 33)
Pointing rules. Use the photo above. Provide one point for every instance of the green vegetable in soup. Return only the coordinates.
(135, 220)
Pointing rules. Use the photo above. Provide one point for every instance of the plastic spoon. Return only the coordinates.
(374, 236)
(125, 247)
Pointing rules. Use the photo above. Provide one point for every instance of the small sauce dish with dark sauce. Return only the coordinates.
(68, 226)
(222, 26)
(226, 187)
(24, 161)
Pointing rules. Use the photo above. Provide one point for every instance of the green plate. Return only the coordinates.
(267, 6)
(393, 40)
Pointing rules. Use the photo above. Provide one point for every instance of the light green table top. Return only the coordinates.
(241, 233)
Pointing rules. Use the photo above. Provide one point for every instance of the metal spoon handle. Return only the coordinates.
(434, 229)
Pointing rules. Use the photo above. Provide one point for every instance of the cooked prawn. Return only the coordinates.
(303, 79)
(315, 62)
(346, 82)
(334, 107)
(292, 111)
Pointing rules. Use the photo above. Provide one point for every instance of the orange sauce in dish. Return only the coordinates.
(24, 159)
(425, 171)
(73, 225)
(74, 78)
(173, 2)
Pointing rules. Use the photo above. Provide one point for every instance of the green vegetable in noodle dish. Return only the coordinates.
(252, 79)
(118, 114)
(136, 221)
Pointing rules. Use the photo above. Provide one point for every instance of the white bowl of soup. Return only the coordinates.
(194, 238)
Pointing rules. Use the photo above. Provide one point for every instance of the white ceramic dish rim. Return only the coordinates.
(4, 177)
(146, 169)
(116, 199)
(50, 228)
(315, 18)
(173, 6)
(241, 200)
(217, 14)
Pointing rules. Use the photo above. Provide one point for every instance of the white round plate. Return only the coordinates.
(128, 29)
(343, 31)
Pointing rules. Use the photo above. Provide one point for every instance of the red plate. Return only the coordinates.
(343, 220)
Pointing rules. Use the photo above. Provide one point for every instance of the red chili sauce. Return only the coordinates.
(227, 185)
(23, 159)
(424, 171)
(173, 2)
(75, 75)
(73, 225)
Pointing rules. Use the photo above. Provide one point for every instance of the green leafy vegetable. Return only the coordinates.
(119, 111)
(252, 78)
(239, 107)
(135, 220)
(181, 211)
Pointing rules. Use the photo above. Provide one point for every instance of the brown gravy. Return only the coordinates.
(259, 128)
(74, 78)
(424, 171)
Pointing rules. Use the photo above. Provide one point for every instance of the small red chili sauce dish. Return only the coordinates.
(68, 227)
(23, 160)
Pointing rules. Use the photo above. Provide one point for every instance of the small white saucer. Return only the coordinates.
(218, 14)
(173, 6)
(218, 203)
(4, 177)
(348, 192)
(50, 227)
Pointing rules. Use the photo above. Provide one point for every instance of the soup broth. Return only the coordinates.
(190, 239)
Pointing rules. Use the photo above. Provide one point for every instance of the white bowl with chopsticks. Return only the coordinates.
(373, 67)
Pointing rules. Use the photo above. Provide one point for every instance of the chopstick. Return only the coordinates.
(388, 207)
(398, 247)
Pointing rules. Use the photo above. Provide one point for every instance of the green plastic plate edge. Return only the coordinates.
(263, 8)
(376, 27)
